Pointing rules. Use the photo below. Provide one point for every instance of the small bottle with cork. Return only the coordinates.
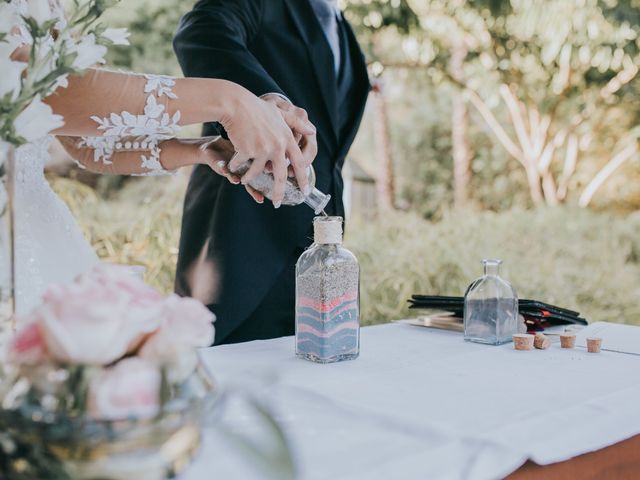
(327, 297)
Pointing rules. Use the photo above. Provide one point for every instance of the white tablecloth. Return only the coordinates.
(424, 404)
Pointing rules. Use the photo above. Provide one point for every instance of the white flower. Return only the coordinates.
(46, 60)
(10, 80)
(39, 10)
(61, 82)
(88, 53)
(118, 36)
(37, 120)
(8, 17)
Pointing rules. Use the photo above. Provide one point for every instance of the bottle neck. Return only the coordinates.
(491, 267)
(317, 200)
(327, 231)
(328, 245)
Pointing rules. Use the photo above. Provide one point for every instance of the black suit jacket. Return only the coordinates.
(232, 249)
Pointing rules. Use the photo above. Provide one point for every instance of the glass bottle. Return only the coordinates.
(292, 193)
(327, 297)
(490, 308)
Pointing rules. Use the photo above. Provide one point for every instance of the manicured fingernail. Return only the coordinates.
(221, 164)
(235, 181)
(277, 204)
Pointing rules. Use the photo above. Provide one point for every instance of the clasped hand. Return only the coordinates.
(271, 133)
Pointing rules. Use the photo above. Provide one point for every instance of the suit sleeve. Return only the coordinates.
(213, 41)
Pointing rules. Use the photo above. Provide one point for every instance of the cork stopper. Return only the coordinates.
(327, 230)
(594, 344)
(523, 341)
(567, 340)
(541, 342)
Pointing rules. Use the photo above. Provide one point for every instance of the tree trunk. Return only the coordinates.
(386, 189)
(459, 125)
(535, 187)
(612, 165)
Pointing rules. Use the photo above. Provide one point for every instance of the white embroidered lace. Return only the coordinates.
(128, 132)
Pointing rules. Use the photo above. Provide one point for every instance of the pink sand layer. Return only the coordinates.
(327, 306)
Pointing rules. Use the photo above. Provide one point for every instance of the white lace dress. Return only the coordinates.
(49, 245)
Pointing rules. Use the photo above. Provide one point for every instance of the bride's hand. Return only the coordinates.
(216, 153)
(261, 132)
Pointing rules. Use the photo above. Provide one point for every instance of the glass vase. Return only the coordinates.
(7, 271)
(50, 442)
(491, 308)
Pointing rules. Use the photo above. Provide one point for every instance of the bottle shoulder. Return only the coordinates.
(491, 286)
(326, 255)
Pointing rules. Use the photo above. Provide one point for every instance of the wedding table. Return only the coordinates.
(424, 404)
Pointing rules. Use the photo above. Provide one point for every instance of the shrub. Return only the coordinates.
(573, 258)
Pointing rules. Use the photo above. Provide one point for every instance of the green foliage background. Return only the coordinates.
(583, 259)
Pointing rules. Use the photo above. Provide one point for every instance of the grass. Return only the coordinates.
(588, 261)
(139, 226)
(574, 258)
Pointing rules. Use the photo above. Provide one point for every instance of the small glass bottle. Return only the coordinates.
(491, 308)
(292, 193)
(264, 181)
(327, 297)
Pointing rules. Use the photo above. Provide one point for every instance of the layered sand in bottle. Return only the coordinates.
(327, 312)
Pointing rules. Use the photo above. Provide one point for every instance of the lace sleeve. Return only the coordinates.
(121, 156)
(125, 156)
(139, 135)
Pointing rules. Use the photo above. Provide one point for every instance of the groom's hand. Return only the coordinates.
(298, 121)
(261, 133)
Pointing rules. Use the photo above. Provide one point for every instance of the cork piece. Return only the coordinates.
(541, 341)
(567, 340)
(594, 344)
(327, 230)
(523, 341)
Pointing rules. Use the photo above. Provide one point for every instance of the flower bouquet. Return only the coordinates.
(103, 381)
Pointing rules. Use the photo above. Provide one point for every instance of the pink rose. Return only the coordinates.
(97, 319)
(185, 324)
(28, 347)
(131, 388)
(127, 278)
